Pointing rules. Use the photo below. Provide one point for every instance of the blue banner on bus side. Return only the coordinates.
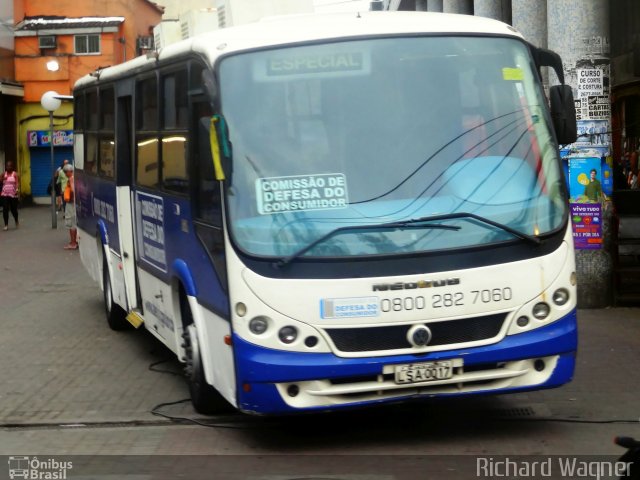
(150, 230)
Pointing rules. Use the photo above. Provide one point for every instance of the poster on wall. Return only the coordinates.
(593, 133)
(585, 203)
(586, 219)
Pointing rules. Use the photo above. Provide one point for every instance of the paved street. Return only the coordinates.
(71, 386)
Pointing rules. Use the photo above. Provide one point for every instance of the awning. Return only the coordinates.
(11, 89)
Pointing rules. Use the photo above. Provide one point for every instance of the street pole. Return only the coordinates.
(50, 101)
(54, 216)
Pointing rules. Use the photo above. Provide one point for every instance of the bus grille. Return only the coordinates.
(394, 337)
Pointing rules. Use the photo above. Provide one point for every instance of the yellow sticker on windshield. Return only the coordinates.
(512, 73)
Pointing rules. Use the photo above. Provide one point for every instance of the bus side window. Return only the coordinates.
(208, 205)
(174, 132)
(147, 143)
(91, 135)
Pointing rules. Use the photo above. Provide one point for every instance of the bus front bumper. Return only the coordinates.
(278, 382)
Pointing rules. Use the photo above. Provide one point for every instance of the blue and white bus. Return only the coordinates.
(316, 212)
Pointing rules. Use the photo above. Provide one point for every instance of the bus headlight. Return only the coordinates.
(288, 334)
(259, 325)
(561, 296)
(541, 310)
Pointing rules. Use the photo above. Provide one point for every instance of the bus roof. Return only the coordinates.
(295, 29)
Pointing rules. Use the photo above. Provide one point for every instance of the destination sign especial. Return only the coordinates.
(320, 63)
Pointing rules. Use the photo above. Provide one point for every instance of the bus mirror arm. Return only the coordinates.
(548, 58)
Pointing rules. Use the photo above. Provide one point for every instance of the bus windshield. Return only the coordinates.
(382, 135)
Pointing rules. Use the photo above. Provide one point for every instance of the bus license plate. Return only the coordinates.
(423, 372)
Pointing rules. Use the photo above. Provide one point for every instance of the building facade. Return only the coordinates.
(55, 44)
(10, 91)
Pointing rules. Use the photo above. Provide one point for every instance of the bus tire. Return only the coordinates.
(116, 316)
(204, 397)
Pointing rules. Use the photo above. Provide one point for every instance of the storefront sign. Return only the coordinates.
(42, 138)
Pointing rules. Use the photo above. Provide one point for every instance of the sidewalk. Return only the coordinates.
(62, 363)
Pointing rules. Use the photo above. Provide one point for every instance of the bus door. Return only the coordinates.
(124, 142)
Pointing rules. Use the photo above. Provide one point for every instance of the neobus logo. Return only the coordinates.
(383, 287)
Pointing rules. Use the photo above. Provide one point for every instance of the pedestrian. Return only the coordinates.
(9, 194)
(61, 184)
(70, 209)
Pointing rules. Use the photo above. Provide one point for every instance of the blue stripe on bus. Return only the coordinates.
(270, 402)
(103, 232)
(262, 367)
(181, 270)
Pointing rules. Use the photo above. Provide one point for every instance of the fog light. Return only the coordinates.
(561, 296)
(293, 390)
(241, 309)
(311, 341)
(523, 321)
(539, 365)
(259, 325)
(541, 310)
(288, 334)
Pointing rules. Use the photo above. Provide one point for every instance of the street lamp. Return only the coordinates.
(53, 65)
(51, 103)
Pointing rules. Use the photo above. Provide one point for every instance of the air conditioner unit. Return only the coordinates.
(48, 41)
(145, 43)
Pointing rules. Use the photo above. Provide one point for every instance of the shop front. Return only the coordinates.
(39, 144)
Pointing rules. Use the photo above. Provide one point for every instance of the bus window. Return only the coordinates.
(91, 138)
(79, 112)
(174, 163)
(175, 100)
(148, 104)
(107, 136)
(147, 152)
(207, 191)
(174, 140)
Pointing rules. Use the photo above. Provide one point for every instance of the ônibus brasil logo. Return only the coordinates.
(37, 469)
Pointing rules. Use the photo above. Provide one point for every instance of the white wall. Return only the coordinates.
(174, 8)
(239, 12)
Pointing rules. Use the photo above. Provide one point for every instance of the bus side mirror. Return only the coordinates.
(563, 110)
(563, 114)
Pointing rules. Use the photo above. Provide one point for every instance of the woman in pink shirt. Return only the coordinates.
(9, 195)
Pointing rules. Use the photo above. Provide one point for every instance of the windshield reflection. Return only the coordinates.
(385, 130)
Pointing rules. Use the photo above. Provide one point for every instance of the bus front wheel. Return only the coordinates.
(204, 397)
(116, 316)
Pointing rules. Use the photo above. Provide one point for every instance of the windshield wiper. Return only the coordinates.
(410, 223)
(502, 226)
(399, 225)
